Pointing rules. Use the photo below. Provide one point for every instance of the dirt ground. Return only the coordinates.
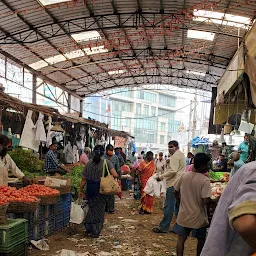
(125, 233)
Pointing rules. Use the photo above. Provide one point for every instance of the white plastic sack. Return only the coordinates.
(76, 214)
(85, 207)
(65, 252)
(40, 244)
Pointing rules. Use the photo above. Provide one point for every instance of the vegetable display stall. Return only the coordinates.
(219, 181)
(31, 213)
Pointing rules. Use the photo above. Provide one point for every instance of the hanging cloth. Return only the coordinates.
(29, 134)
(50, 134)
(40, 131)
(69, 154)
(76, 154)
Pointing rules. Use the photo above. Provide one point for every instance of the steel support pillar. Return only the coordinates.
(34, 88)
(81, 108)
(69, 103)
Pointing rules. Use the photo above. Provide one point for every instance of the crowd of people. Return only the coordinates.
(188, 193)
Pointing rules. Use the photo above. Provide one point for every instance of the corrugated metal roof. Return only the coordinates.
(146, 39)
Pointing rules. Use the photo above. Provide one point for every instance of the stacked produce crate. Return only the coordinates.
(47, 219)
(62, 211)
(14, 238)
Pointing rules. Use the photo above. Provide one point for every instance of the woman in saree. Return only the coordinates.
(137, 187)
(146, 170)
(97, 203)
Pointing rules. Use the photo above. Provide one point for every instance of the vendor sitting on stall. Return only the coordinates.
(222, 164)
(52, 165)
(7, 164)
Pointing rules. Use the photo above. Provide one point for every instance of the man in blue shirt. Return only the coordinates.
(222, 165)
(52, 165)
(244, 148)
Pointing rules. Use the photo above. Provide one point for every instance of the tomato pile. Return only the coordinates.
(11, 194)
(3, 200)
(39, 190)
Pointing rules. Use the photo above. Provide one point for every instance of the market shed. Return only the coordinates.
(84, 46)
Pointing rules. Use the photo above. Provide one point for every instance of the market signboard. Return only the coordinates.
(120, 142)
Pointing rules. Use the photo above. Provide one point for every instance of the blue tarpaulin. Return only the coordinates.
(199, 141)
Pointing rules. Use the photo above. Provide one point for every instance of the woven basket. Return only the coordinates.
(3, 209)
(63, 189)
(22, 207)
(47, 200)
(3, 219)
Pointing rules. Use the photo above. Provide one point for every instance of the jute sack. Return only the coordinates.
(108, 185)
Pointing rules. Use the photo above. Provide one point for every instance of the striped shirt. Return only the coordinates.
(51, 161)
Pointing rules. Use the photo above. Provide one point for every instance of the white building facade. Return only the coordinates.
(150, 116)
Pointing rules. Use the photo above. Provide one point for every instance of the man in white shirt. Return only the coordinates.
(176, 166)
(160, 163)
(7, 164)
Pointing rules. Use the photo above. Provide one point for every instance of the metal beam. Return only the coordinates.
(205, 87)
(39, 33)
(34, 88)
(163, 75)
(126, 36)
(66, 33)
(38, 73)
(34, 33)
(69, 103)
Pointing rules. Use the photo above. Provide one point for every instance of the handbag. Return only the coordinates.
(108, 185)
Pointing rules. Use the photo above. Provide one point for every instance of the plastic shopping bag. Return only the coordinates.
(120, 194)
(85, 207)
(76, 214)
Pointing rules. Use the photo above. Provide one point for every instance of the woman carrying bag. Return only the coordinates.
(92, 176)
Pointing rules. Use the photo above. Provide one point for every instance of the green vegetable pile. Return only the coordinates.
(26, 160)
(76, 176)
(32, 175)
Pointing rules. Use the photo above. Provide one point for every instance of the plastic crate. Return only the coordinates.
(39, 230)
(40, 213)
(18, 250)
(66, 218)
(13, 233)
(58, 207)
(49, 226)
(63, 203)
(59, 224)
(30, 217)
(31, 235)
(49, 211)
(66, 201)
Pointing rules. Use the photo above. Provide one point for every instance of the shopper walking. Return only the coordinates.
(160, 163)
(193, 190)
(97, 203)
(243, 149)
(176, 166)
(146, 170)
(109, 154)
